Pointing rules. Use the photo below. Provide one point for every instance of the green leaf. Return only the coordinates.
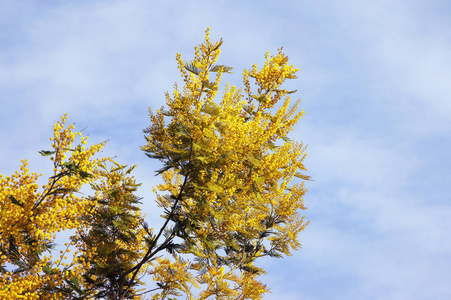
(274, 187)
(260, 179)
(225, 69)
(70, 166)
(214, 187)
(203, 159)
(119, 224)
(210, 109)
(130, 169)
(15, 201)
(167, 113)
(117, 164)
(118, 168)
(218, 45)
(74, 282)
(162, 170)
(286, 139)
(266, 233)
(284, 60)
(96, 187)
(302, 176)
(47, 269)
(285, 91)
(272, 146)
(259, 197)
(84, 174)
(61, 190)
(116, 209)
(209, 85)
(259, 98)
(193, 69)
(46, 153)
(253, 160)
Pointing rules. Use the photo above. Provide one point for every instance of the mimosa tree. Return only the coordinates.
(227, 193)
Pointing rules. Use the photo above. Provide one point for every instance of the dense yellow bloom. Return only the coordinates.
(31, 217)
(228, 169)
(228, 192)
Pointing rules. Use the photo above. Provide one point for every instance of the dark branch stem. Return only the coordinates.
(149, 254)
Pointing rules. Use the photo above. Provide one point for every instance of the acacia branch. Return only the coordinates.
(149, 254)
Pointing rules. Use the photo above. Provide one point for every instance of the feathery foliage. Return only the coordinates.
(227, 194)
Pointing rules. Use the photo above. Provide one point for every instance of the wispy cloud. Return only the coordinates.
(374, 80)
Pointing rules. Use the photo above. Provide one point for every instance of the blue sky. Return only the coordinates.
(375, 83)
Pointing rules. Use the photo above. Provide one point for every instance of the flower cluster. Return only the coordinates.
(229, 197)
(228, 170)
(30, 218)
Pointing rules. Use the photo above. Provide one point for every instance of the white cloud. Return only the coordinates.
(412, 49)
(374, 78)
